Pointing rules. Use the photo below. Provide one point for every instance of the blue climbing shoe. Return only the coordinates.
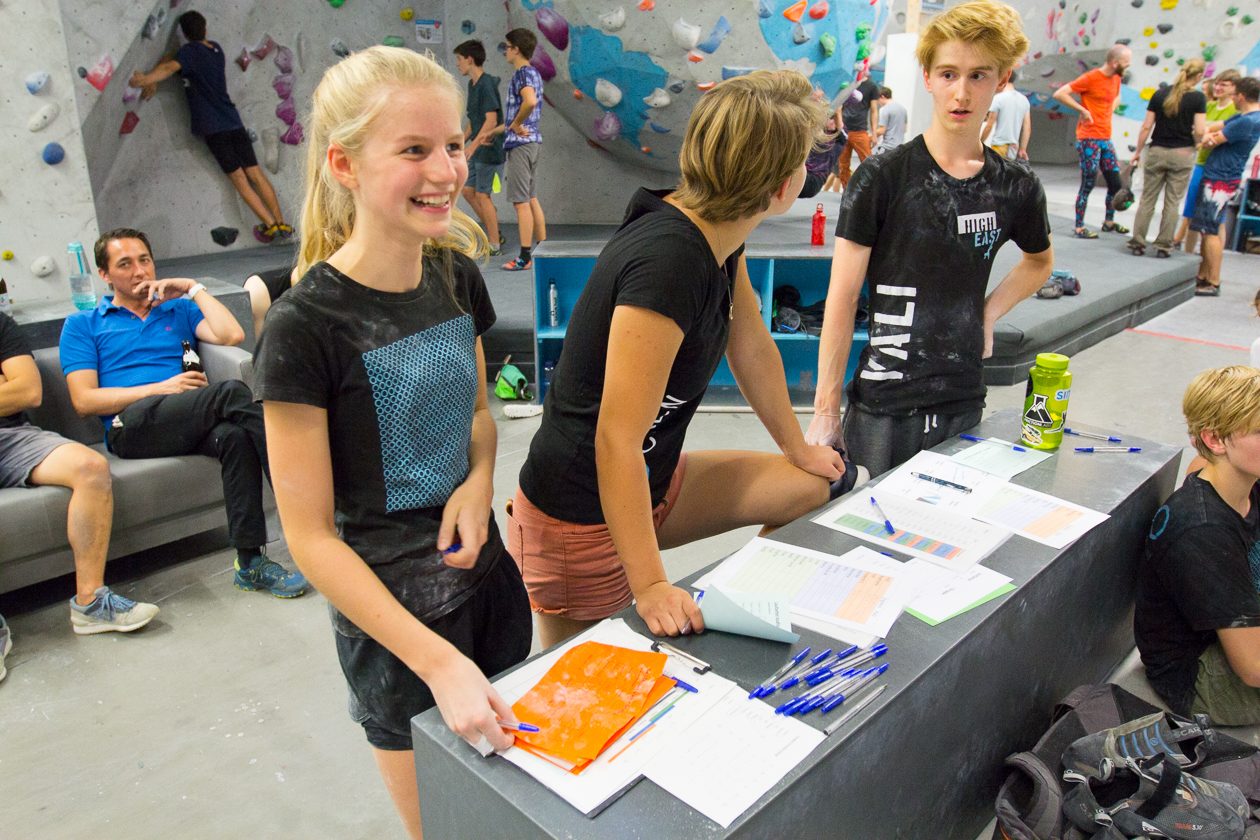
(268, 575)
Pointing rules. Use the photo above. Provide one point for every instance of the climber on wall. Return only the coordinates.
(200, 63)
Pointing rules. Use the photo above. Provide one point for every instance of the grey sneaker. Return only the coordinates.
(110, 612)
(6, 645)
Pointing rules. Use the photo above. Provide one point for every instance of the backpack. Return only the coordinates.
(1030, 801)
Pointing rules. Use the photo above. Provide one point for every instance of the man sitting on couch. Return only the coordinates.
(123, 361)
(31, 456)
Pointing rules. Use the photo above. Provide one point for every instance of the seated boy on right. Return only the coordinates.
(1197, 620)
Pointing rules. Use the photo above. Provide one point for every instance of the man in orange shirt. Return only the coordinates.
(1100, 90)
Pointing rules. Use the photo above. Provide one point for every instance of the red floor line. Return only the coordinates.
(1190, 340)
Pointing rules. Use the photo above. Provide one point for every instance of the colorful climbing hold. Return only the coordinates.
(543, 64)
(795, 11)
(819, 10)
(293, 136)
(130, 119)
(1248, 20)
(705, 86)
(286, 112)
(1152, 60)
(863, 51)
(608, 126)
(284, 60)
(647, 150)
(1167, 5)
(1137, 4)
(614, 20)
(336, 4)
(244, 59)
(101, 72)
(224, 236)
(658, 98)
(1146, 93)
(7, 256)
(553, 26)
(732, 72)
(716, 36)
(686, 35)
(43, 117)
(1209, 53)
(1148, 32)
(36, 81)
(339, 48)
(43, 266)
(393, 41)
(676, 86)
(608, 94)
(578, 95)
(82, 71)
(1165, 28)
(695, 57)
(1169, 53)
(53, 154)
(283, 85)
(467, 27)
(764, 9)
(407, 14)
(647, 5)
(658, 128)
(799, 35)
(1154, 45)
(264, 48)
(1231, 11)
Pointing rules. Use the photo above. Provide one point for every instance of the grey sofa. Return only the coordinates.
(156, 500)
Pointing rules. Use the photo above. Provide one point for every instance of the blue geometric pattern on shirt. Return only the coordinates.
(1253, 560)
(425, 389)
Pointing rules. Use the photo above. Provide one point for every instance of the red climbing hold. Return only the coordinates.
(695, 57)
(819, 10)
(578, 95)
(705, 85)
(795, 11)
(647, 5)
(129, 123)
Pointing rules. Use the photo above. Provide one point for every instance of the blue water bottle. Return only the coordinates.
(82, 292)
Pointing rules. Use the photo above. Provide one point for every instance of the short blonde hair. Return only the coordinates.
(1225, 401)
(993, 27)
(350, 96)
(745, 138)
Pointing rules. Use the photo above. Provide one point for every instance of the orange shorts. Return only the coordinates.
(573, 570)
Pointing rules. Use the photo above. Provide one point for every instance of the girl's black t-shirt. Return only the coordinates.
(1176, 132)
(658, 260)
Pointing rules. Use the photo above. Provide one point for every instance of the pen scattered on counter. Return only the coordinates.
(975, 439)
(1108, 438)
(1108, 449)
(847, 716)
(887, 525)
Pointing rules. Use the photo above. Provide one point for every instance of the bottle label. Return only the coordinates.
(1045, 413)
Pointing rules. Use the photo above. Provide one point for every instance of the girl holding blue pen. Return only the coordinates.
(381, 443)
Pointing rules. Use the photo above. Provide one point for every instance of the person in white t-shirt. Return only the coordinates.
(892, 122)
(1008, 127)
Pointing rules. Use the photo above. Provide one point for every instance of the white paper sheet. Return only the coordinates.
(1037, 516)
(759, 616)
(997, 457)
(611, 774)
(856, 591)
(943, 537)
(907, 481)
(952, 595)
(732, 756)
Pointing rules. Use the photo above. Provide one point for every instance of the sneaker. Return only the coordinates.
(110, 612)
(518, 265)
(1084, 233)
(6, 645)
(271, 576)
(1155, 798)
(854, 476)
(1114, 227)
(1189, 743)
(264, 233)
(1205, 288)
(496, 250)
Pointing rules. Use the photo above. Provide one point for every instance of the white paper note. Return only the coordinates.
(732, 756)
(999, 458)
(954, 594)
(746, 614)
(942, 482)
(1037, 516)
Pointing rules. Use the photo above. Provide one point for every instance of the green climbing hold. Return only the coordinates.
(1121, 108)
(1086, 40)
(862, 32)
(336, 4)
(1180, 61)
(1247, 20)
(864, 51)
(1209, 53)
(827, 43)
(1084, 17)
(391, 40)
(1231, 11)
(1168, 53)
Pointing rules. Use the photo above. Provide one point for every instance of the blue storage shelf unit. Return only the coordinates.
(569, 264)
(1248, 221)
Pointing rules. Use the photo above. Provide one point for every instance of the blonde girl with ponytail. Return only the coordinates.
(372, 375)
(1174, 124)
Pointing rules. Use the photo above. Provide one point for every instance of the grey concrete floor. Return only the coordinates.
(226, 716)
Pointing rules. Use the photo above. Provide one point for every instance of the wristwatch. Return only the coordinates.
(195, 290)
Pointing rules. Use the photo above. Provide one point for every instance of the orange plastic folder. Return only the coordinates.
(589, 696)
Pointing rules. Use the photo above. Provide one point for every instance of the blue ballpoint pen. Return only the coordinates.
(836, 699)
(793, 706)
(823, 666)
(975, 439)
(827, 684)
(796, 674)
(819, 697)
(887, 525)
(1108, 438)
(1108, 449)
(789, 665)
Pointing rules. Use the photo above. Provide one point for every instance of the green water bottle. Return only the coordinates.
(1046, 402)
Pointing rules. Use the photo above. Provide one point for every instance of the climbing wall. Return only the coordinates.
(45, 196)
(626, 74)
(1071, 37)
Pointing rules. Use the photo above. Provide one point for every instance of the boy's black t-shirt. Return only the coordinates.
(1176, 132)
(397, 374)
(855, 113)
(205, 82)
(658, 260)
(1199, 574)
(12, 344)
(277, 281)
(483, 97)
(933, 238)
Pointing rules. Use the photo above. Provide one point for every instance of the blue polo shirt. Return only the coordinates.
(126, 350)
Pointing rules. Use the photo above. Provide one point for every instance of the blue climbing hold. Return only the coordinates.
(732, 72)
(35, 82)
(658, 128)
(764, 9)
(53, 154)
(720, 30)
(467, 27)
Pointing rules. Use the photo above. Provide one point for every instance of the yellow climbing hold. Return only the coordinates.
(6, 256)
(1154, 45)
(1146, 93)
(1167, 4)
(1148, 31)
(407, 13)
